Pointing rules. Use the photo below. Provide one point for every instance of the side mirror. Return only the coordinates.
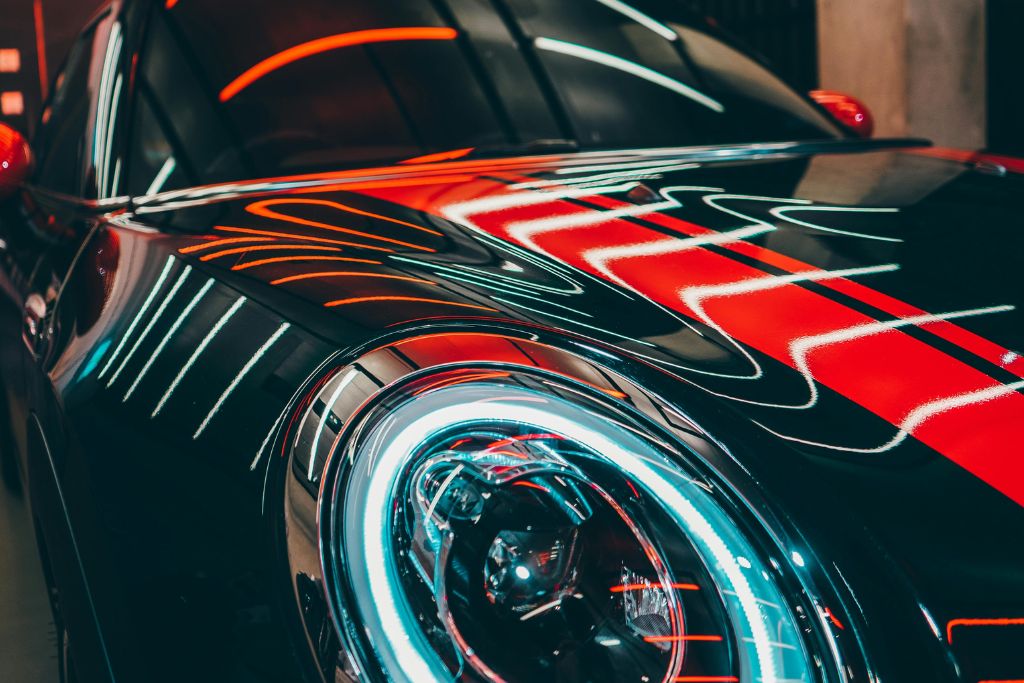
(847, 110)
(15, 160)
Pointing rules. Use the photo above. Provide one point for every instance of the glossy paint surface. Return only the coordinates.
(828, 317)
(837, 321)
(792, 301)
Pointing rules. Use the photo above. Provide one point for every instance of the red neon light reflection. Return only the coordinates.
(523, 437)
(260, 209)
(304, 238)
(1015, 621)
(831, 617)
(672, 639)
(344, 273)
(313, 47)
(530, 484)
(605, 390)
(363, 299)
(218, 243)
(440, 156)
(510, 454)
(290, 259)
(450, 381)
(643, 586)
(262, 247)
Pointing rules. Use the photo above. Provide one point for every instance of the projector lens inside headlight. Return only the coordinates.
(502, 532)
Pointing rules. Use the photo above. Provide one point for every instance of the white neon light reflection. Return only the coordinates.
(694, 298)
(626, 66)
(105, 110)
(377, 537)
(647, 173)
(109, 140)
(639, 17)
(601, 168)
(916, 417)
(195, 354)
(138, 316)
(461, 211)
(149, 326)
(167, 337)
(602, 258)
(328, 409)
(784, 211)
(238, 378)
(801, 348)
(161, 176)
(265, 443)
(117, 177)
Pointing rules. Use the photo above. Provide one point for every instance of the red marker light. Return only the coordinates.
(15, 160)
(846, 109)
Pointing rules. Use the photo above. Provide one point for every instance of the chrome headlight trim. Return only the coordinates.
(475, 358)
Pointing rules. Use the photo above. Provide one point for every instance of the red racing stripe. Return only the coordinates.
(957, 410)
(967, 340)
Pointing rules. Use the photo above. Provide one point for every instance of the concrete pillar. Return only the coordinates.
(919, 65)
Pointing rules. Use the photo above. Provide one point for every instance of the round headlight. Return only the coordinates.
(501, 527)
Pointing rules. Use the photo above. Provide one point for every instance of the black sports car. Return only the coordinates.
(505, 340)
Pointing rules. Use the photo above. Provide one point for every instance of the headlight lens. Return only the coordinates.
(497, 531)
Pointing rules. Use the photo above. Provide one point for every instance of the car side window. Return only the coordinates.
(153, 161)
(77, 145)
(61, 144)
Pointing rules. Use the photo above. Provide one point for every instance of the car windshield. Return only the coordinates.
(239, 89)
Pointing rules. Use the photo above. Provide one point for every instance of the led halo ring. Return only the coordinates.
(370, 609)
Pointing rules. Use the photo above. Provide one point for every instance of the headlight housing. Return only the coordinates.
(497, 523)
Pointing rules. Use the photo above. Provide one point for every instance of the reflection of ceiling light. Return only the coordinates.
(632, 68)
(12, 103)
(10, 60)
(313, 47)
(641, 18)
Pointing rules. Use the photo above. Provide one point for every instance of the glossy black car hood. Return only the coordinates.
(859, 312)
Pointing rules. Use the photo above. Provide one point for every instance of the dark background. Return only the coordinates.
(1005, 85)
